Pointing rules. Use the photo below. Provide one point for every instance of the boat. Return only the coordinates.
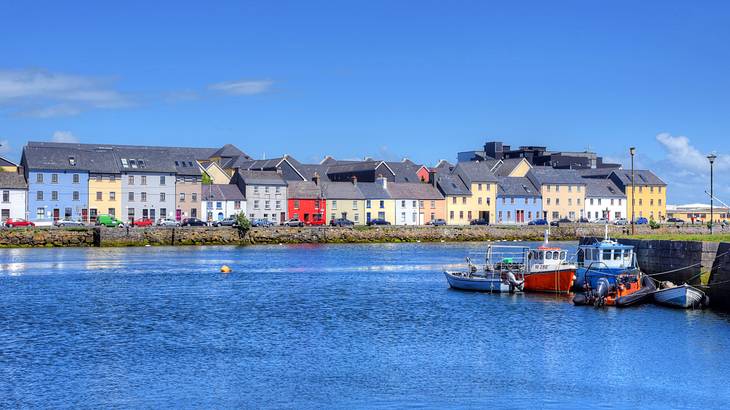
(502, 272)
(683, 296)
(610, 276)
(548, 269)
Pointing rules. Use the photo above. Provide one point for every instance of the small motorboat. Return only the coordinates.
(506, 275)
(683, 296)
(548, 269)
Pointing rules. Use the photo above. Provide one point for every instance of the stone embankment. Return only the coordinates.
(100, 236)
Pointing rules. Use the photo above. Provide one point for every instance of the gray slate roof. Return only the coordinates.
(413, 190)
(341, 190)
(548, 175)
(359, 166)
(507, 166)
(405, 171)
(222, 192)
(641, 177)
(7, 163)
(304, 190)
(262, 178)
(12, 180)
(373, 190)
(451, 184)
(602, 188)
(517, 186)
(476, 171)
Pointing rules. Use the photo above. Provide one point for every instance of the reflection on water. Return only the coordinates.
(329, 326)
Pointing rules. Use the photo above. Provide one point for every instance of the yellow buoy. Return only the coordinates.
(225, 269)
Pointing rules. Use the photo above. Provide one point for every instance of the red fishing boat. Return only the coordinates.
(549, 270)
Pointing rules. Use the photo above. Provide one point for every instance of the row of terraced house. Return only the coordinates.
(71, 181)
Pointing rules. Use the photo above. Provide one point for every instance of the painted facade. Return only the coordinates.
(58, 194)
(188, 194)
(518, 201)
(147, 195)
(306, 202)
(13, 195)
(605, 207)
(220, 201)
(651, 193)
(105, 195)
(563, 193)
(266, 194)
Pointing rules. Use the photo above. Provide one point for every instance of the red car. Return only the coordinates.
(142, 222)
(15, 223)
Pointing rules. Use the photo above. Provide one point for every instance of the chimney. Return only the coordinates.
(383, 181)
(354, 180)
(315, 178)
(432, 177)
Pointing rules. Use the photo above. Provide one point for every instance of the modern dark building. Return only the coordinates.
(538, 156)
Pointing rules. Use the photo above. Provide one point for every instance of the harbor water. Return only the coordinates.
(345, 326)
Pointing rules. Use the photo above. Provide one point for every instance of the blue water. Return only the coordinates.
(330, 326)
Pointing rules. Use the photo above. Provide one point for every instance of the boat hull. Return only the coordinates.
(556, 281)
(682, 297)
(488, 283)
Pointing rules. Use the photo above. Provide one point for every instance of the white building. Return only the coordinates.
(604, 200)
(221, 201)
(412, 201)
(13, 196)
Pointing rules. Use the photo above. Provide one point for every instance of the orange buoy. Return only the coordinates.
(225, 269)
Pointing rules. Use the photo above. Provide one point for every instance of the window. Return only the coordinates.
(570, 188)
(236, 204)
(453, 200)
(182, 197)
(256, 204)
(660, 202)
(267, 204)
(131, 197)
(403, 205)
(479, 200)
(557, 188)
(368, 204)
(219, 205)
(143, 196)
(162, 180)
(266, 190)
(463, 200)
(547, 201)
(162, 197)
(334, 204)
(570, 201)
(194, 197)
(512, 201)
(509, 215)
(99, 195)
(76, 178)
(278, 190)
(125, 164)
(578, 201)
(403, 217)
(255, 189)
(591, 201)
(296, 204)
(143, 179)
(469, 215)
(76, 195)
(131, 180)
(451, 214)
(557, 201)
(278, 204)
(54, 196)
(382, 204)
(6, 196)
(357, 217)
(40, 213)
(354, 205)
(54, 178)
(599, 201)
(112, 196)
(489, 187)
(489, 201)
(433, 205)
(611, 201)
(39, 196)
(499, 215)
(133, 163)
(461, 214)
(479, 187)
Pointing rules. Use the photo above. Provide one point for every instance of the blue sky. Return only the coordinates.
(389, 79)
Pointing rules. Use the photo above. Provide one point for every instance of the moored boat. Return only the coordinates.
(548, 270)
(504, 275)
(683, 296)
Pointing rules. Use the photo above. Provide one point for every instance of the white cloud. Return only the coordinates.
(64, 136)
(40, 93)
(681, 153)
(242, 87)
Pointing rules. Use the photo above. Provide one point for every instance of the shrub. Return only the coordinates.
(242, 223)
(653, 224)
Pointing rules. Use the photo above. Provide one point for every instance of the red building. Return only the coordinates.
(306, 203)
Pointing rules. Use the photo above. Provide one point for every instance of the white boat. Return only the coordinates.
(683, 296)
(503, 271)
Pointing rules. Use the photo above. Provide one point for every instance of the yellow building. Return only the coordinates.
(563, 192)
(480, 181)
(105, 195)
(378, 202)
(344, 200)
(651, 193)
(513, 167)
(216, 173)
(7, 166)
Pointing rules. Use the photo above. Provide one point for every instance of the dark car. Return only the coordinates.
(538, 222)
(226, 222)
(641, 221)
(675, 220)
(437, 222)
(341, 222)
(480, 221)
(261, 222)
(583, 220)
(378, 221)
(193, 222)
(560, 221)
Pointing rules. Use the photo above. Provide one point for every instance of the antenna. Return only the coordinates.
(547, 232)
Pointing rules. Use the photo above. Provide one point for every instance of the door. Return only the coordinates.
(282, 217)
(520, 216)
(56, 214)
(85, 215)
(153, 214)
(178, 214)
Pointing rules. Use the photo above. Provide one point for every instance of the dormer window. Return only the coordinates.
(190, 163)
(72, 161)
(125, 164)
(184, 164)
(177, 163)
(133, 163)
(141, 163)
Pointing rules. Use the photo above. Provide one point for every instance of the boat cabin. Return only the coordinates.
(608, 254)
(544, 258)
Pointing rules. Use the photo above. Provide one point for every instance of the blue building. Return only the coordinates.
(58, 183)
(518, 201)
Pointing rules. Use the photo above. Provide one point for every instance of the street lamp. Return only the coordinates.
(632, 151)
(712, 158)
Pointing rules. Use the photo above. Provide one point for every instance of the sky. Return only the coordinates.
(386, 79)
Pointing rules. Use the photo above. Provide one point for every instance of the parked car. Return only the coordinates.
(293, 222)
(17, 223)
(142, 222)
(193, 222)
(538, 222)
(621, 222)
(261, 222)
(641, 221)
(675, 220)
(63, 223)
(601, 221)
(480, 221)
(109, 221)
(437, 222)
(225, 222)
(167, 222)
(316, 222)
(341, 222)
(560, 221)
(583, 220)
(378, 221)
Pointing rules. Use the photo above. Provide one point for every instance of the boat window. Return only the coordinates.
(627, 257)
(588, 254)
(542, 255)
(617, 254)
(556, 255)
(548, 255)
(562, 255)
(606, 254)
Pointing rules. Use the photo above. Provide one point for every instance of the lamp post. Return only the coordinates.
(711, 157)
(632, 151)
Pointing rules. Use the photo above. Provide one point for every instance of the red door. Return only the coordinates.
(178, 214)
(56, 214)
(85, 215)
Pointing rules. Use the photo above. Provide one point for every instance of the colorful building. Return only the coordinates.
(562, 190)
(604, 200)
(518, 201)
(265, 192)
(222, 201)
(479, 178)
(416, 203)
(306, 202)
(651, 193)
(105, 194)
(13, 195)
(378, 203)
(344, 200)
(456, 196)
